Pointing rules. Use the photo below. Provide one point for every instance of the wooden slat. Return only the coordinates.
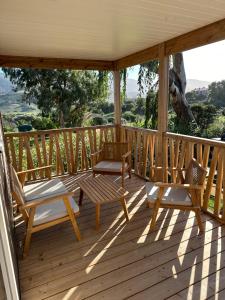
(66, 147)
(13, 152)
(38, 152)
(77, 151)
(211, 177)
(219, 181)
(71, 147)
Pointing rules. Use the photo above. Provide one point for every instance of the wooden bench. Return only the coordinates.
(101, 190)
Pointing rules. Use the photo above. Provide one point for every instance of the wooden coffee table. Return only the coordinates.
(100, 190)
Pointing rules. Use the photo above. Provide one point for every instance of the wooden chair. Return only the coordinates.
(112, 159)
(185, 195)
(43, 204)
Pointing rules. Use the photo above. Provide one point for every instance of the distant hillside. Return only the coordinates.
(12, 103)
(132, 87)
(5, 85)
(193, 84)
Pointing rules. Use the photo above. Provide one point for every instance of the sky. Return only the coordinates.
(204, 63)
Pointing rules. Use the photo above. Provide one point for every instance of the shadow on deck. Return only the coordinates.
(123, 260)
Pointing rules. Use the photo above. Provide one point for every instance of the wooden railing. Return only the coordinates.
(177, 153)
(68, 149)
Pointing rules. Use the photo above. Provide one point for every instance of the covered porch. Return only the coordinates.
(121, 260)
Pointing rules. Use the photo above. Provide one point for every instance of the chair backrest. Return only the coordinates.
(114, 151)
(17, 189)
(195, 173)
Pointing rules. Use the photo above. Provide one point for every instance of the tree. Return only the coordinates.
(151, 110)
(177, 84)
(61, 93)
(204, 114)
(216, 92)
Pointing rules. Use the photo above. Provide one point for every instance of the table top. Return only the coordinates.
(101, 189)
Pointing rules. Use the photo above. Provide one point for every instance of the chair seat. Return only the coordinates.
(109, 166)
(172, 196)
(53, 210)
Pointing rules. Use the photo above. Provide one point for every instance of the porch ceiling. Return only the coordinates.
(98, 29)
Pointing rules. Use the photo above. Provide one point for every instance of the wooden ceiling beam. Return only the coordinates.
(137, 58)
(208, 34)
(55, 63)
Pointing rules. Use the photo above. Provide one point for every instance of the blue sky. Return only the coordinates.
(203, 63)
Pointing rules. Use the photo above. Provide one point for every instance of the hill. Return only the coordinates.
(12, 103)
(193, 84)
(5, 85)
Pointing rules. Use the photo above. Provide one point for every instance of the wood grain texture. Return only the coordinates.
(54, 63)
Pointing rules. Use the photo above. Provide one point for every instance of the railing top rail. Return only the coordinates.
(150, 131)
(49, 131)
(194, 139)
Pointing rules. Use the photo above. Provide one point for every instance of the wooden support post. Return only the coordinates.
(117, 103)
(163, 109)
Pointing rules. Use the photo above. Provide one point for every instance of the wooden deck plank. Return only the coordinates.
(124, 260)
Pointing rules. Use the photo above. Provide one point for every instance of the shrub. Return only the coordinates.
(43, 123)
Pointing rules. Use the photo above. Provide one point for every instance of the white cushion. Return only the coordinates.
(44, 189)
(176, 196)
(53, 210)
(109, 166)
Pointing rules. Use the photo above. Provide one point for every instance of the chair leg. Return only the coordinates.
(27, 243)
(199, 220)
(154, 216)
(29, 232)
(97, 216)
(124, 205)
(75, 227)
(129, 173)
(72, 218)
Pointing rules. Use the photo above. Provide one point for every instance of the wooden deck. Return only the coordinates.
(122, 260)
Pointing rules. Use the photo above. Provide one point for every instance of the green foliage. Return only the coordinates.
(43, 123)
(151, 110)
(64, 93)
(216, 92)
(196, 96)
(128, 105)
(129, 116)
(204, 114)
(98, 120)
(139, 106)
(176, 126)
(215, 129)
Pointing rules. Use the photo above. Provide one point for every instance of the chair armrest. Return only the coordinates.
(22, 174)
(96, 153)
(179, 185)
(124, 156)
(33, 170)
(42, 201)
(94, 157)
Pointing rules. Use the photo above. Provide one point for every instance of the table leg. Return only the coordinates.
(81, 197)
(97, 217)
